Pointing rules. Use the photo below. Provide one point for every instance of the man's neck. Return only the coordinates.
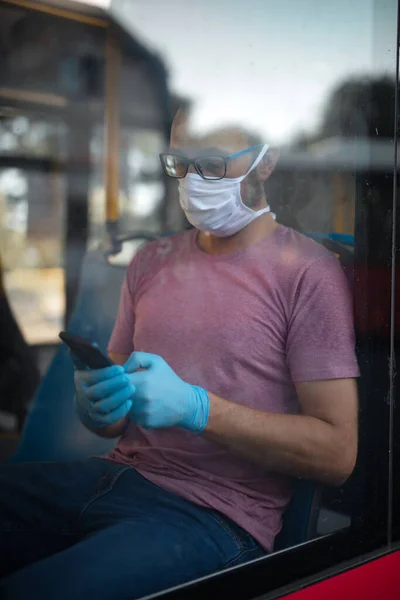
(254, 232)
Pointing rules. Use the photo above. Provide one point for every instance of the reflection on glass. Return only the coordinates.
(237, 408)
(31, 247)
(278, 78)
(142, 187)
(123, 257)
(20, 135)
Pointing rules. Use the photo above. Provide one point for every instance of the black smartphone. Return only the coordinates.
(86, 350)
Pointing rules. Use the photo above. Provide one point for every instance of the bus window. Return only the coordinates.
(144, 189)
(297, 82)
(33, 203)
(48, 69)
(222, 216)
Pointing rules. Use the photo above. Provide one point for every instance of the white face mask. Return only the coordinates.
(217, 206)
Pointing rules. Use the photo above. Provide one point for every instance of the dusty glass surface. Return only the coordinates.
(253, 144)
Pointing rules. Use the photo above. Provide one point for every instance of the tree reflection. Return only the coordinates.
(314, 188)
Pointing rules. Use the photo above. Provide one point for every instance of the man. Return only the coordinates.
(235, 371)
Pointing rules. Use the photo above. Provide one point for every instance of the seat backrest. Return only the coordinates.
(300, 519)
(52, 430)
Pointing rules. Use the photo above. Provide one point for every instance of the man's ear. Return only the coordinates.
(268, 163)
(179, 129)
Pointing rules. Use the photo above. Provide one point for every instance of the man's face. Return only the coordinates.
(224, 143)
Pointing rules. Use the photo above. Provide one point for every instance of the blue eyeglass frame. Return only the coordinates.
(245, 151)
(192, 161)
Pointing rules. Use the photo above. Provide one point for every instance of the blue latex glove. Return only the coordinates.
(103, 396)
(161, 398)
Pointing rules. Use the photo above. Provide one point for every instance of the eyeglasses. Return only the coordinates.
(211, 167)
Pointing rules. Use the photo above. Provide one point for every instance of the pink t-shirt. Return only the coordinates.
(245, 326)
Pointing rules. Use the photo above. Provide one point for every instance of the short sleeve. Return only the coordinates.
(121, 341)
(321, 340)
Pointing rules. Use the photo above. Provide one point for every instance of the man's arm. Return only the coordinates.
(117, 429)
(320, 443)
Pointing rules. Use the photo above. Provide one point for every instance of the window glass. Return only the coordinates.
(97, 191)
(298, 80)
(293, 77)
(49, 67)
(32, 191)
(141, 138)
(253, 142)
(55, 60)
(142, 185)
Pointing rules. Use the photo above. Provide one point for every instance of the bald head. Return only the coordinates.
(180, 129)
(227, 141)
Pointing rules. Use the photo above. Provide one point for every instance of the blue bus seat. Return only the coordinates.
(344, 239)
(52, 431)
(301, 517)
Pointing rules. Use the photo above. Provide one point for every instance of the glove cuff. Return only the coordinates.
(199, 410)
(84, 415)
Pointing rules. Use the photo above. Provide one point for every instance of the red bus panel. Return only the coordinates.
(377, 580)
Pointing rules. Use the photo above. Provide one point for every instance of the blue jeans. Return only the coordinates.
(99, 529)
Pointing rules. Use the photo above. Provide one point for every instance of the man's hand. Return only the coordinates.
(161, 398)
(103, 396)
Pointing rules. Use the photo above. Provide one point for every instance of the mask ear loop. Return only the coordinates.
(257, 161)
(259, 158)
